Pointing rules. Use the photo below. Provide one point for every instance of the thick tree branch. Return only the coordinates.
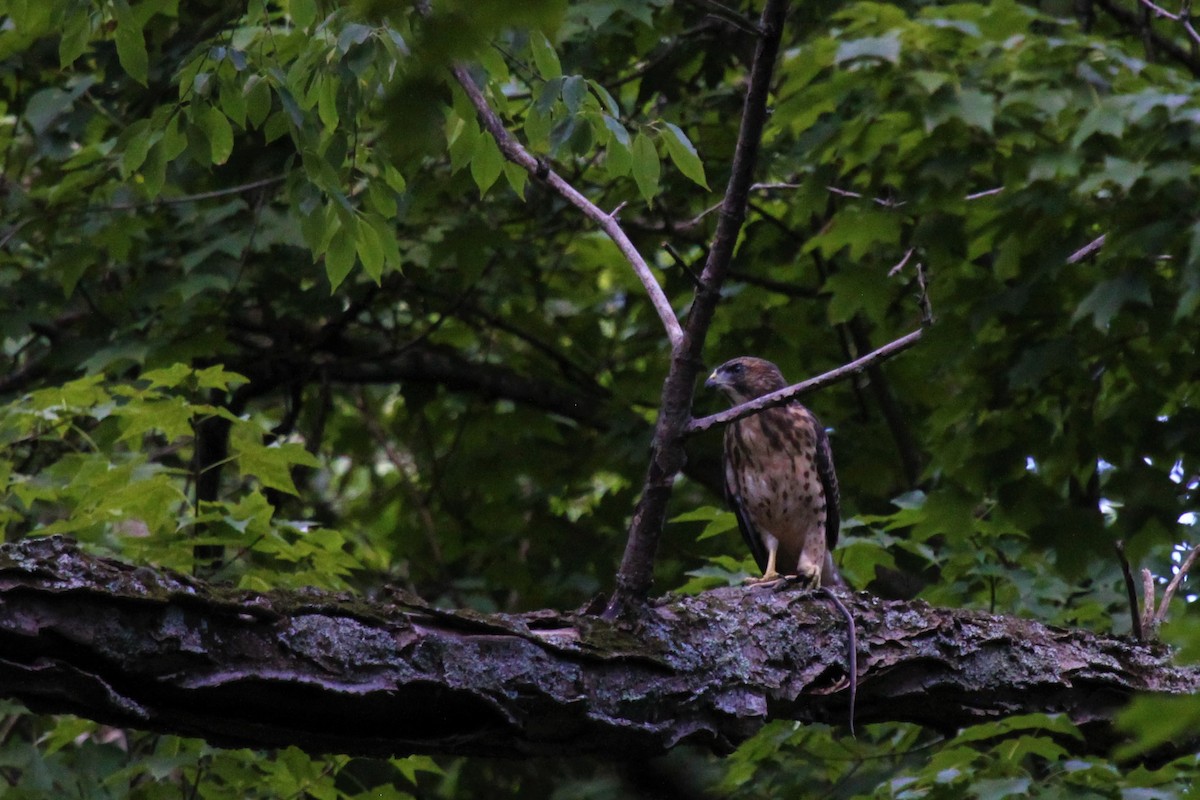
(161, 651)
(795, 390)
(516, 153)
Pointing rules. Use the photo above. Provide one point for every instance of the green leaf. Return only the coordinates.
(619, 132)
(463, 142)
(884, 48)
(1119, 171)
(574, 92)
(258, 100)
(369, 247)
(339, 257)
(857, 288)
(486, 164)
(1000, 788)
(646, 168)
(327, 108)
(219, 133)
(517, 178)
(1155, 720)
(77, 33)
(131, 43)
(1109, 297)
(270, 464)
(174, 140)
(544, 56)
(135, 143)
(353, 34)
(681, 151)
(303, 13)
(858, 228)
(233, 103)
(171, 416)
(721, 524)
(977, 109)
(217, 377)
(610, 104)
(1105, 118)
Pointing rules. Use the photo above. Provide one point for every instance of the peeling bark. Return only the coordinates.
(152, 649)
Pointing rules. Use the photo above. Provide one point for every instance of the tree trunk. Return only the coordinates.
(331, 673)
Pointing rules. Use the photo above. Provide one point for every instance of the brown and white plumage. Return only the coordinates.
(779, 477)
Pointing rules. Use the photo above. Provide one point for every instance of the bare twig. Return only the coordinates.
(1088, 249)
(757, 187)
(681, 262)
(14, 230)
(1182, 18)
(516, 153)
(899, 266)
(1131, 21)
(882, 201)
(722, 12)
(188, 198)
(985, 193)
(785, 395)
(1147, 602)
(1130, 590)
(923, 298)
(1169, 592)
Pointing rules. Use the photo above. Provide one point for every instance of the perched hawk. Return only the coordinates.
(779, 477)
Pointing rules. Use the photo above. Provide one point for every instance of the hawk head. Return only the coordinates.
(745, 378)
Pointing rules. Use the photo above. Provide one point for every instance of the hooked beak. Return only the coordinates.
(715, 380)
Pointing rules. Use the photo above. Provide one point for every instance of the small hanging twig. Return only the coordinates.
(682, 263)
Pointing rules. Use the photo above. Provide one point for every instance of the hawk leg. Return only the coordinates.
(770, 575)
(808, 575)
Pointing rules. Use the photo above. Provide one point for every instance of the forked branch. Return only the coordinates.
(513, 150)
(1152, 617)
(667, 456)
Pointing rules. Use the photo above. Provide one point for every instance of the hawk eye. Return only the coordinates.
(736, 369)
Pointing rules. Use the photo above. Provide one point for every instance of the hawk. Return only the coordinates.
(779, 477)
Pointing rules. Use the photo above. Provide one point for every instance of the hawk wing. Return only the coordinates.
(734, 464)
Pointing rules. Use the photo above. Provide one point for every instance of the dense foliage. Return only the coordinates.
(275, 309)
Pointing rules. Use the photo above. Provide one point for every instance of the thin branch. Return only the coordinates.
(726, 14)
(682, 263)
(985, 193)
(787, 394)
(923, 297)
(1169, 592)
(14, 230)
(188, 198)
(757, 187)
(1131, 20)
(899, 266)
(882, 201)
(516, 153)
(1147, 601)
(1130, 591)
(1182, 19)
(1088, 249)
